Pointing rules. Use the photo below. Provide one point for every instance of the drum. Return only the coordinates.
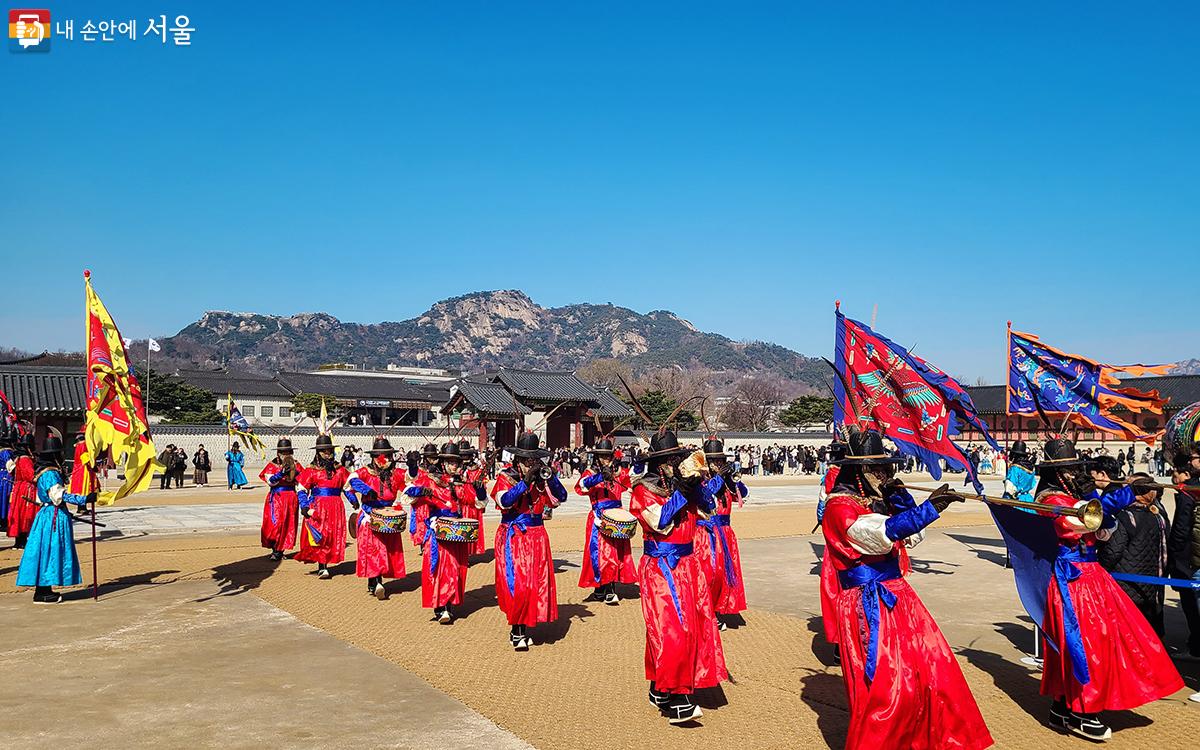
(456, 529)
(387, 520)
(1183, 432)
(617, 523)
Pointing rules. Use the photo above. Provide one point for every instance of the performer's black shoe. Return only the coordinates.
(681, 709)
(445, 617)
(611, 597)
(20, 543)
(46, 595)
(323, 572)
(597, 595)
(837, 655)
(1087, 726)
(380, 592)
(659, 700)
(721, 626)
(275, 555)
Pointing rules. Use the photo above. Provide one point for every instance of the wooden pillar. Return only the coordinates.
(483, 432)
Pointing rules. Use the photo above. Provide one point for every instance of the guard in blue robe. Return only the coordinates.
(234, 474)
(1020, 481)
(7, 463)
(49, 558)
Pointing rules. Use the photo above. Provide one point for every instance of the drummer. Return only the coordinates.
(524, 567)
(421, 468)
(473, 473)
(444, 567)
(606, 561)
(378, 486)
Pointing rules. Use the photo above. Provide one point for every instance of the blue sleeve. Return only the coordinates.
(909, 522)
(743, 490)
(556, 488)
(666, 514)
(591, 480)
(414, 491)
(1114, 501)
(901, 500)
(820, 511)
(304, 498)
(708, 493)
(480, 493)
(513, 494)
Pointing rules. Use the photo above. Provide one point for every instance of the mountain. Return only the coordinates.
(1186, 367)
(481, 331)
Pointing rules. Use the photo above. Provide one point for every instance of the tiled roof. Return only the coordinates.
(350, 386)
(237, 383)
(611, 406)
(44, 390)
(1181, 389)
(490, 399)
(548, 386)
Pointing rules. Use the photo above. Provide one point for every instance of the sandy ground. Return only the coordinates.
(580, 686)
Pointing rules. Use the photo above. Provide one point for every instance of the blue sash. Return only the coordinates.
(1064, 572)
(668, 555)
(594, 539)
(431, 537)
(326, 492)
(715, 527)
(515, 522)
(868, 578)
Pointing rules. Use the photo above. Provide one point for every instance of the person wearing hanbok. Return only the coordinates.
(282, 506)
(235, 460)
(606, 561)
(683, 651)
(716, 542)
(49, 558)
(904, 686)
(379, 484)
(525, 587)
(323, 523)
(473, 473)
(1103, 654)
(420, 470)
(1020, 481)
(7, 464)
(23, 504)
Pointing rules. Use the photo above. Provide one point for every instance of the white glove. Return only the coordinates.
(56, 494)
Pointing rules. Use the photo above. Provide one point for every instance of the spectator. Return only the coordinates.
(180, 466)
(1183, 543)
(1138, 545)
(167, 459)
(203, 464)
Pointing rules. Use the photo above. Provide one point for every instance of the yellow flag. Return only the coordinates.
(115, 422)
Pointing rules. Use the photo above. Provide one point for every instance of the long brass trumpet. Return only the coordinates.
(1091, 514)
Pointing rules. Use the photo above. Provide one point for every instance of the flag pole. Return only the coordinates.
(147, 399)
(228, 436)
(87, 322)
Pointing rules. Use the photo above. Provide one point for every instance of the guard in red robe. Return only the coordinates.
(524, 566)
(282, 506)
(323, 526)
(903, 684)
(683, 645)
(473, 473)
(380, 484)
(420, 470)
(829, 580)
(1103, 655)
(23, 505)
(606, 562)
(445, 562)
(716, 543)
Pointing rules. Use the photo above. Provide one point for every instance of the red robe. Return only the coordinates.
(323, 534)
(829, 579)
(1127, 664)
(472, 510)
(605, 560)
(446, 583)
(280, 510)
(23, 504)
(378, 554)
(523, 554)
(918, 698)
(683, 645)
(420, 511)
(717, 551)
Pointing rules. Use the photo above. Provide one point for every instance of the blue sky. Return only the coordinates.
(742, 165)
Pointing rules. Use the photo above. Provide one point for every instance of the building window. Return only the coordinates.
(247, 411)
(285, 411)
(268, 411)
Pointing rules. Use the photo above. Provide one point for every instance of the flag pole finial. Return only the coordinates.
(837, 304)
(87, 274)
(1010, 324)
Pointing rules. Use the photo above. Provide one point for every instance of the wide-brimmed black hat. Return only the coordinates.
(381, 447)
(866, 449)
(1018, 448)
(714, 448)
(52, 446)
(325, 441)
(465, 447)
(603, 447)
(284, 445)
(429, 450)
(528, 446)
(665, 443)
(450, 450)
(1060, 454)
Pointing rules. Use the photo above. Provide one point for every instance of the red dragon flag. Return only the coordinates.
(115, 422)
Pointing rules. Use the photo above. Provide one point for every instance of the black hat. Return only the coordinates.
(1109, 466)
(603, 447)
(382, 446)
(866, 449)
(664, 444)
(1060, 454)
(7, 438)
(528, 446)
(465, 447)
(837, 451)
(325, 441)
(429, 450)
(450, 450)
(52, 446)
(1018, 448)
(714, 448)
(283, 446)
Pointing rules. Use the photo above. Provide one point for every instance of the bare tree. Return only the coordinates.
(753, 404)
(677, 383)
(606, 372)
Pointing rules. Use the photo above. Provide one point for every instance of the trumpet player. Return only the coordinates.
(683, 646)
(606, 561)
(525, 587)
(716, 544)
(903, 684)
(282, 506)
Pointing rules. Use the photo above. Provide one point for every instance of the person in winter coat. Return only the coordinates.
(1138, 544)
